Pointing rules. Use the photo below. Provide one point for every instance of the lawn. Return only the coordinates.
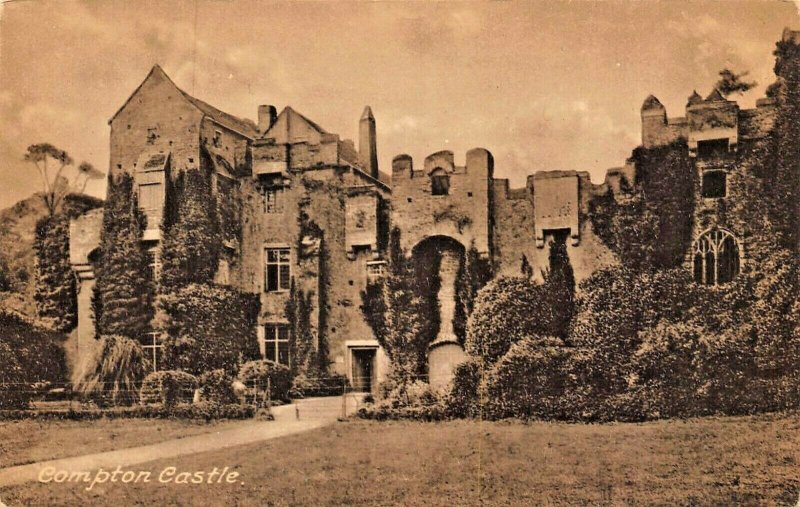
(715, 461)
(27, 441)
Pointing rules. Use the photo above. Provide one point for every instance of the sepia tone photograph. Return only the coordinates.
(399, 253)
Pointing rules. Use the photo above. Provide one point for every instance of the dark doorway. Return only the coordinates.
(363, 369)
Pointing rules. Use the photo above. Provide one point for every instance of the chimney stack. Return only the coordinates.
(367, 143)
(266, 118)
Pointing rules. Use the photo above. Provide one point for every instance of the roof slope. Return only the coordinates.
(245, 127)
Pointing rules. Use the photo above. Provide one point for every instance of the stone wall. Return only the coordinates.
(464, 214)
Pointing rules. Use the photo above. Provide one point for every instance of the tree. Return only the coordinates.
(393, 310)
(206, 326)
(473, 274)
(120, 366)
(560, 287)
(123, 293)
(51, 163)
(190, 248)
(731, 82)
(55, 290)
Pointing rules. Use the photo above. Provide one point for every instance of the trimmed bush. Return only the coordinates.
(506, 311)
(200, 411)
(217, 387)
(463, 399)
(536, 379)
(208, 327)
(331, 385)
(168, 387)
(262, 371)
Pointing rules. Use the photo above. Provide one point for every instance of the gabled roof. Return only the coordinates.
(244, 127)
(694, 98)
(291, 126)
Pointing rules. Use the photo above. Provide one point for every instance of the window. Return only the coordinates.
(716, 258)
(712, 148)
(217, 138)
(273, 200)
(151, 201)
(440, 182)
(276, 343)
(277, 273)
(153, 349)
(714, 184)
(153, 262)
(375, 271)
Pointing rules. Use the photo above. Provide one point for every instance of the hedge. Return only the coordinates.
(168, 387)
(202, 411)
(262, 371)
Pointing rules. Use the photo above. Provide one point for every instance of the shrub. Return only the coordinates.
(506, 311)
(14, 390)
(168, 387)
(120, 366)
(331, 385)
(55, 289)
(208, 327)
(261, 372)
(38, 349)
(202, 411)
(537, 378)
(217, 387)
(463, 399)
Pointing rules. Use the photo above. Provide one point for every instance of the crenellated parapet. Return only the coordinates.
(444, 199)
(711, 125)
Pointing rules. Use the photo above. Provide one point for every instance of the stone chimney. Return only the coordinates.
(367, 143)
(266, 118)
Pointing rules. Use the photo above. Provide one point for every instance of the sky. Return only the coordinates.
(542, 85)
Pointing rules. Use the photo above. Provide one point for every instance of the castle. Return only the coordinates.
(286, 171)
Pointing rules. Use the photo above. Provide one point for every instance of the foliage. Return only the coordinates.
(507, 310)
(205, 327)
(783, 178)
(536, 378)
(192, 239)
(55, 289)
(333, 384)
(452, 214)
(650, 226)
(463, 399)
(38, 349)
(559, 283)
(393, 309)
(168, 387)
(203, 410)
(216, 386)
(262, 372)
(299, 307)
(123, 292)
(14, 390)
(119, 368)
(731, 82)
(473, 274)
(55, 183)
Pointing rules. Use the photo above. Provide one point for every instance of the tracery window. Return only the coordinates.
(715, 257)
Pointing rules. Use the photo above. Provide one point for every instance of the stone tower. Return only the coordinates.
(367, 143)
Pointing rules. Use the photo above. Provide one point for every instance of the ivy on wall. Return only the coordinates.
(123, 292)
(473, 273)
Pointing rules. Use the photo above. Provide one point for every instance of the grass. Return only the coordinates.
(27, 441)
(714, 461)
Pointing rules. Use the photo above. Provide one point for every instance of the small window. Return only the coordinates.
(153, 349)
(153, 262)
(217, 138)
(277, 273)
(375, 271)
(440, 182)
(151, 135)
(469, 194)
(409, 199)
(273, 200)
(712, 148)
(276, 343)
(714, 184)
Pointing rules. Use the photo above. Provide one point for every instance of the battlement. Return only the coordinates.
(714, 124)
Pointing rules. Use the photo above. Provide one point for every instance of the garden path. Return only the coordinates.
(300, 416)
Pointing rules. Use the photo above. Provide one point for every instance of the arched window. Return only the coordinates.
(716, 257)
(440, 182)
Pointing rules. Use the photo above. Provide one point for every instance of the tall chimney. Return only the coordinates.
(266, 118)
(367, 144)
